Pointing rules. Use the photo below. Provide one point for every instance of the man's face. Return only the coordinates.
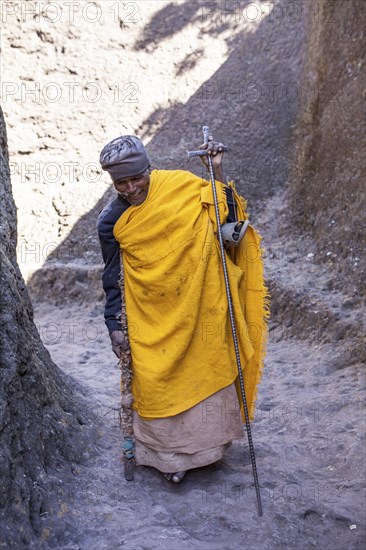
(134, 188)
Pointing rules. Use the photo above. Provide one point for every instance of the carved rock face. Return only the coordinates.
(43, 429)
(328, 168)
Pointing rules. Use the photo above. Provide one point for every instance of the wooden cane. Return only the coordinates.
(126, 411)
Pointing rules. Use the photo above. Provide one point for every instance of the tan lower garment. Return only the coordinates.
(191, 439)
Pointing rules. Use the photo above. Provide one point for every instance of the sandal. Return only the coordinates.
(175, 477)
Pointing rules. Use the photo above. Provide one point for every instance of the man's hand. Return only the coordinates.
(216, 151)
(119, 343)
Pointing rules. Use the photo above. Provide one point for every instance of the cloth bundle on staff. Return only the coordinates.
(126, 411)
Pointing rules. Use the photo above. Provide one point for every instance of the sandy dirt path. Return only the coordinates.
(308, 445)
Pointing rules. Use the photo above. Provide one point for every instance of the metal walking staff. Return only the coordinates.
(206, 134)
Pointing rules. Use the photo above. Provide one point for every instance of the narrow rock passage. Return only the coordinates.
(308, 440)
(288, 81)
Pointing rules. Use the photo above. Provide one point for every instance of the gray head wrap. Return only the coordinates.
(123, 157)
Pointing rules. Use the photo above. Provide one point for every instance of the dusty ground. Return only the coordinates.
(310, 418)
(308, 438)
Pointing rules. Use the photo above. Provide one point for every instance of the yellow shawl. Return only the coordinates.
(179, 328)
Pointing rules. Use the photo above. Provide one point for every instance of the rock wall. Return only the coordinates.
(161, 73)
(327, 193)
(43, 429)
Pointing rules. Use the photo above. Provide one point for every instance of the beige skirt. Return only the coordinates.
(192, 439)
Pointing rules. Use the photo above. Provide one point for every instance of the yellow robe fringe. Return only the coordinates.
(178, 323)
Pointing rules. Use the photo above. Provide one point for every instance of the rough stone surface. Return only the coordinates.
(162, 73)
(327, 196)
(44, 429)
(190, 64)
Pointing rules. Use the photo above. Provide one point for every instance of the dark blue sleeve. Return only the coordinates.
(111, 257)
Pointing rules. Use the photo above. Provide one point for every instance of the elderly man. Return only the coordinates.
(183, 361)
